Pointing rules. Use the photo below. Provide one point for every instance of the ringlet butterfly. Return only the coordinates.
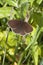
(20, 26)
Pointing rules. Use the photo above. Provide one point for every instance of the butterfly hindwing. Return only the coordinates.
(27, 27)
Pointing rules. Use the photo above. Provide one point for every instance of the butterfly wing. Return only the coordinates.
(20, 26)
(22, 32)
(27, 27)
(15, 25)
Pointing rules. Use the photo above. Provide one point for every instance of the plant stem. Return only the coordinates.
(5, 48)
(34, 39)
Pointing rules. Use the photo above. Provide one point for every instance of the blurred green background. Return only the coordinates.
(16, 49)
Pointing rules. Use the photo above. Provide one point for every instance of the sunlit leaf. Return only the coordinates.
(5, 12)
(39, 1)
(31, 1)
(11, 2)
(11, 39)
(35, 54)
(1, 36)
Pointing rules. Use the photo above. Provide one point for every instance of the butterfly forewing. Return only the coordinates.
(13, 23)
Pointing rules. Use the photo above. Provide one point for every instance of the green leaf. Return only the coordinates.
(39, 1)
(35, 54)
(38, 18)
(11, 39)
(5, 12)
(11, 2)
(36, 57)
(31, 1)
(1, 36)
(1, 2)
(22, 1)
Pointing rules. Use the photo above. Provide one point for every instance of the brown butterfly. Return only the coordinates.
(20, 27)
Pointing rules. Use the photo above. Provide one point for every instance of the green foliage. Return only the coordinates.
(39, 1)
(5, 12)
(24, 50)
